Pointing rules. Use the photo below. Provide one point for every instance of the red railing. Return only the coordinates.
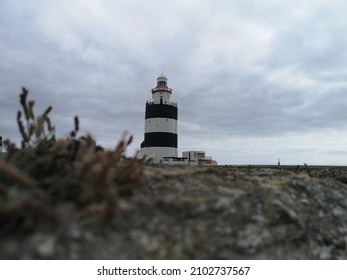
(161, 89)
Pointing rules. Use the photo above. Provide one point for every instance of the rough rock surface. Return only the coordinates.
(195, 213)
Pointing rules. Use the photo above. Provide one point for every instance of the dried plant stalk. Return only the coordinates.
(16, 175)
(23, 102)
(76, 124)
(49, 125)
(48, 110)
(21, 127)
(39, 126)
(31, 109)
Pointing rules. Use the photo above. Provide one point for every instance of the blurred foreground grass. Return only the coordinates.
(46, 172)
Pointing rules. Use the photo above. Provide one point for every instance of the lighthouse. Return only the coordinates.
(160, 139)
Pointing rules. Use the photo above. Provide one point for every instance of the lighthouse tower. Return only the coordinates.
(160, 124)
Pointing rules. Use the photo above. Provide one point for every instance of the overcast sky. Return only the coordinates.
(255, 81)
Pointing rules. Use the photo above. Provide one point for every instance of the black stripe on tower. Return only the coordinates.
(160, 139)
(161, 111)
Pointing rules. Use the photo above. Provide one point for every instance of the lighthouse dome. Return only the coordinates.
(162, 81)
(162, 77)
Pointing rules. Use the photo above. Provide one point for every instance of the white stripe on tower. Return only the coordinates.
(161, 125)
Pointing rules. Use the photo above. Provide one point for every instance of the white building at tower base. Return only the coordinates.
(192, 158)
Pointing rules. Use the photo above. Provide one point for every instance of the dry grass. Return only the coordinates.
(40, 127)
(47, 171)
